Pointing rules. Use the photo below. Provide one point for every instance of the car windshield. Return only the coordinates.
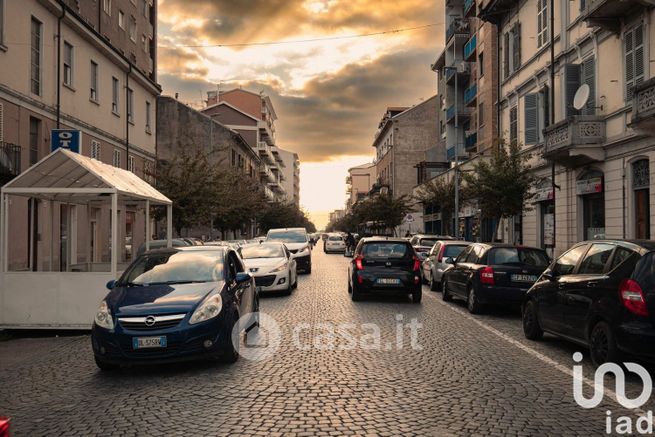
(429, 242)
(386, 250)
(262, 251)
(287, 236)
(335, 238)
(452, 251)
(175, 268)
(521, 256)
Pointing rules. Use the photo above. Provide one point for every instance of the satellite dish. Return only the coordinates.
(581, 97)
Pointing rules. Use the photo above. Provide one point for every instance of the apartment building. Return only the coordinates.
(359, 182)
(253, 116)
(599, 148)
(291, 175)
(75, 65)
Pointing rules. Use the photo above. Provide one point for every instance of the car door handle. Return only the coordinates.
(593, 284)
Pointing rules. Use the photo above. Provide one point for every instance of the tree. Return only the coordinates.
(284, 215)
(503, 184)
(440, 194)
(378, 214)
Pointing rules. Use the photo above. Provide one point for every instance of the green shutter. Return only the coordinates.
(572, 76)
(517, 46)
(588, 71)
(531, 118)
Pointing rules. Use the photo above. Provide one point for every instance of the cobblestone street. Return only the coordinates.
(475, 375)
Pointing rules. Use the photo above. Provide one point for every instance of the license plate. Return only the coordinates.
(388, 281)
(524, 278)
(148, 342)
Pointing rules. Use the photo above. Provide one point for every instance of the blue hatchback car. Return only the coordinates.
(176, 304)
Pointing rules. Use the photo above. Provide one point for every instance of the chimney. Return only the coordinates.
(212, 98)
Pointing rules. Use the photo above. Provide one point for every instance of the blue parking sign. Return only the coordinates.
(66, 139)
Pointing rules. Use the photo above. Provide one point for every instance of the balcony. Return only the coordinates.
(576, 141)
(643, 107)
(469, 48)
(450, 153)
(270, 195)
(470, 141)
(9, 162)
(265, 152)
(266, 173)
(461, 112)
(469, 8)
(459, 26)
(460, 68)
(607, 14)
(470, 95)
(278, 157)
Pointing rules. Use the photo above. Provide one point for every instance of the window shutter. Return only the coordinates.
(506, 56)
(517, 46)
(2, 123)
(628, 47)
(572, 75)
(588, 77)
(639, 54)
(531, 118)
(545, 96)
(513, 125)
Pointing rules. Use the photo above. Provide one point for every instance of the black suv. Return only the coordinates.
(599, 294)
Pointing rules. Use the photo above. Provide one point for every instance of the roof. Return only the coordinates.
(68, 176)
(229, 105)
(362, 166)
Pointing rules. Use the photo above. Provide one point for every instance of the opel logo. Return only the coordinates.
(150, 320)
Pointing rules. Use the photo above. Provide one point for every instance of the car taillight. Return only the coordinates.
(441, 251)
(633, 297)
(358, 262)
(487, 276)
(417, 264)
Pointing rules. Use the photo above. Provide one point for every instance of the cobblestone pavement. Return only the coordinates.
(473, 376)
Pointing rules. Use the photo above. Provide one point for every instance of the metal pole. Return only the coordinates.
(147, 225)
(114, 234)
(169, 225)
(456, 159)
(4, 226)
(552, 108)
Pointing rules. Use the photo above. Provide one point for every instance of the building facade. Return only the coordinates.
(600, 145)
(253, 116)
(71, 69)
(291, 175)
(359, 182)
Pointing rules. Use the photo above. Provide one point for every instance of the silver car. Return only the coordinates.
(440, 257)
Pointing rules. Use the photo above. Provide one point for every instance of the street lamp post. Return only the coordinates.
(456, 169)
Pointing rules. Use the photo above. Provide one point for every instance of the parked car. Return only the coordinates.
(439, 259)
(297, 241)
(384, 265)
(423, 243)
(334, 243)
(272, 265)
(175, 304)
(601, 295)
(193, 241)
(158, 244)
(493, 273)
(237, 243)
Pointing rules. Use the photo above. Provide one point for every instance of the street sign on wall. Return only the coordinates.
(66, 139)
(589, 186)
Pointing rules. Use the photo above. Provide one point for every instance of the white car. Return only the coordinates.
(272, 265)
(334, 243)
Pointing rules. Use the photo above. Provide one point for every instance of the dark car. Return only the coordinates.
(599, 294)
(493, 273)
(384, 265)
(158, 244)
(424, 243)
(297, 241)
(175, 304)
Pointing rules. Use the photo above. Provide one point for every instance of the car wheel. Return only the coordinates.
(231, 352)
(602, 345)
(445, 294)
(472, 302)
(355, 295)
(309, 270)
(104, 366)
(531, 327)
(434, 286)
(350, 287)
(416, 296)
(295, 283)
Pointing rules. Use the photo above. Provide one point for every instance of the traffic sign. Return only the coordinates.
(66, 139)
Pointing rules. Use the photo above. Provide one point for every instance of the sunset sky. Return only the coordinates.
(329, 95)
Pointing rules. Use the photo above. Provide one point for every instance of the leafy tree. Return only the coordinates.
(284, 215)
(440, 194)
(377, 214)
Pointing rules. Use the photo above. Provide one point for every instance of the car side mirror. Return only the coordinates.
(242, 277)
(111, 284)
(548, 275)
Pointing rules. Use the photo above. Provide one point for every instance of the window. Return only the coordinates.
(95, 150)
(93, 86)
(145, 8)
(633, 47)
(513, 125)
(148, 117)
(542, 23)
(35, 57)
(595, 260)
(582, 5)
(535, 112)
(35, 130)
(2, 123)
(462, 256)
(114, 95)
(130, 163)
(132, 28)
(567, 262)
(106, 6)
(116, 158)
(2, 22)
(620, 256)
(130, 105)
(148, 174)
(512, 50)
(234, 158)
(68, 64)
(481, 114)
(481, 64)
(121, 19)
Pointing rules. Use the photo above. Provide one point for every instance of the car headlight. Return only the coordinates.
(280, 268)
(103, 316)
(209, 309)
(303, 250)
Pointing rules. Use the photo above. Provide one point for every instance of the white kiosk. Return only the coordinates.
(68, 299)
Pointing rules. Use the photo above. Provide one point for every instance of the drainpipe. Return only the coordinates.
(552, 106)
(63, 13)
(623, 195)
(127, 115)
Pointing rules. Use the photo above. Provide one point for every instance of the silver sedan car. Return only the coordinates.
(441, 256)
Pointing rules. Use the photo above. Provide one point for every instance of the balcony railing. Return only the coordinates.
(9, 162)
(461, 112)
(608, 13)
(469, 48)
(575, 141)
(459, 26)
(469, 8)
(460, 68)
(470, 94)
(470, 141)
(643, 106)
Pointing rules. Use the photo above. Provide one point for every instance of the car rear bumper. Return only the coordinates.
(335, 248)
(367, 284)
(637, 338)
(491, 294)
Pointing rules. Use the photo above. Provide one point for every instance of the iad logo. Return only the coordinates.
(644, 423)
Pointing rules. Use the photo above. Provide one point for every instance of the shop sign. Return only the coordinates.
(543, 194)
(589, 186)
(549, 229)
(65, 139)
